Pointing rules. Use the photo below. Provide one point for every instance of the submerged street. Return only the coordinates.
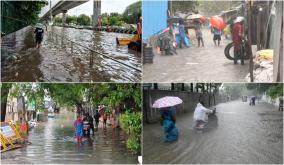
(195, 64)
(244, 134)
(53, 61)
(54, 142)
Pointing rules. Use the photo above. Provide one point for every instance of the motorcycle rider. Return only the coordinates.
(237, 37)
(200, 114)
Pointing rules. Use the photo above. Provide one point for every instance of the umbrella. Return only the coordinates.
(217, 22)
(196, 16)
(167, 101)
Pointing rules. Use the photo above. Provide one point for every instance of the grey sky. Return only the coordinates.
(108, 6)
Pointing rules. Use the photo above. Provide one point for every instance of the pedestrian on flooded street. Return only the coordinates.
(104, 119)
(97, 118)
(181, 33)
(39, 32)
(237, 39)
(168, 122)
(78, 125)
(217, 35)
(91, 122)
(198, 32)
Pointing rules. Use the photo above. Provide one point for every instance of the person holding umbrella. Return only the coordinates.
(166, 105)
(217, 24)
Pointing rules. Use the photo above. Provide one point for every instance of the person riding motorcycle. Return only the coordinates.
(237, 37)
(200, 114)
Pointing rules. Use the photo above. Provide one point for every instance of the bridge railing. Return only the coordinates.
(59, 39)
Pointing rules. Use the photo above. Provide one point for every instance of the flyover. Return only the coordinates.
(63, 6)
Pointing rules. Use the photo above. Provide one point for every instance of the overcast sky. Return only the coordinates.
(108, 6)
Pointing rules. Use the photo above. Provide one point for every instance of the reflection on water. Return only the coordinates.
(54, 142)
(54, 61)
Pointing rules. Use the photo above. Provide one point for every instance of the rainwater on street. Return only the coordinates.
(53, 142)
(243, 135)
(53, 61)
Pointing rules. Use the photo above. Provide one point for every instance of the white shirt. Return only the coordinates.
(200, 113)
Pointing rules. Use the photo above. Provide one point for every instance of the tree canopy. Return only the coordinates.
(126, 96)
(18, 14)
(132, 13)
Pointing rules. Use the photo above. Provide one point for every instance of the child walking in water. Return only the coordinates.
(78, 125)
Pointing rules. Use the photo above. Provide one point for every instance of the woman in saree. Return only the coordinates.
(168, 122)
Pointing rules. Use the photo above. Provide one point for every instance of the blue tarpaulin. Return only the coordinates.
(154, 17)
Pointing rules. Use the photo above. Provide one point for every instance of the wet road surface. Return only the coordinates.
(196, 64)
(243, 135)
(21, 61)
(53, 142)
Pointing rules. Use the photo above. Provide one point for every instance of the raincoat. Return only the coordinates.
(170, 130)
(200, 113)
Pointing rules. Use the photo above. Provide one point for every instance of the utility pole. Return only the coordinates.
(249, 40)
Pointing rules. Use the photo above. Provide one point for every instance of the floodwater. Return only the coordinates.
(54, 61)
(53, 142)
(243, 135)
(196, 64)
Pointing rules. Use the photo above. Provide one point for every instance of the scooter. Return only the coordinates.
(212, 122)
(86, 128)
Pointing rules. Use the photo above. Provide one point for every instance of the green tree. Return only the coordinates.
(18, 14)
(275, 91)
(71, 19)
(57, 20)
(84, 20)
(184, 6)
(112, 19)
(132, 13)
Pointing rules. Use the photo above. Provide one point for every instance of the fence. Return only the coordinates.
(9, 22)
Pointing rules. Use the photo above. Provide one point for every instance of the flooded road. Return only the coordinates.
(243, 135)
(195, 64)
(53, 142)
(21, 61)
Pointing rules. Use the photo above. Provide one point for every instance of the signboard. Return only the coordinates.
(7, 131)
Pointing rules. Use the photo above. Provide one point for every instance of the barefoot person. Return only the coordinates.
(168, 122)
(78, 125)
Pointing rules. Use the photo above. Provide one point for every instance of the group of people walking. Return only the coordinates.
(86, 125)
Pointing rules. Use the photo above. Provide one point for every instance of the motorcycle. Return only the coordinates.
(86, 128)
(212, 122)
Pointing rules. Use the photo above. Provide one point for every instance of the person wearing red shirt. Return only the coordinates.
(237, 39)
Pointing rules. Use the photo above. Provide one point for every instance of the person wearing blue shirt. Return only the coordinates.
(217, 35)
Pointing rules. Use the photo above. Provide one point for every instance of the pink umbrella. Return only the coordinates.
(167, 101)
